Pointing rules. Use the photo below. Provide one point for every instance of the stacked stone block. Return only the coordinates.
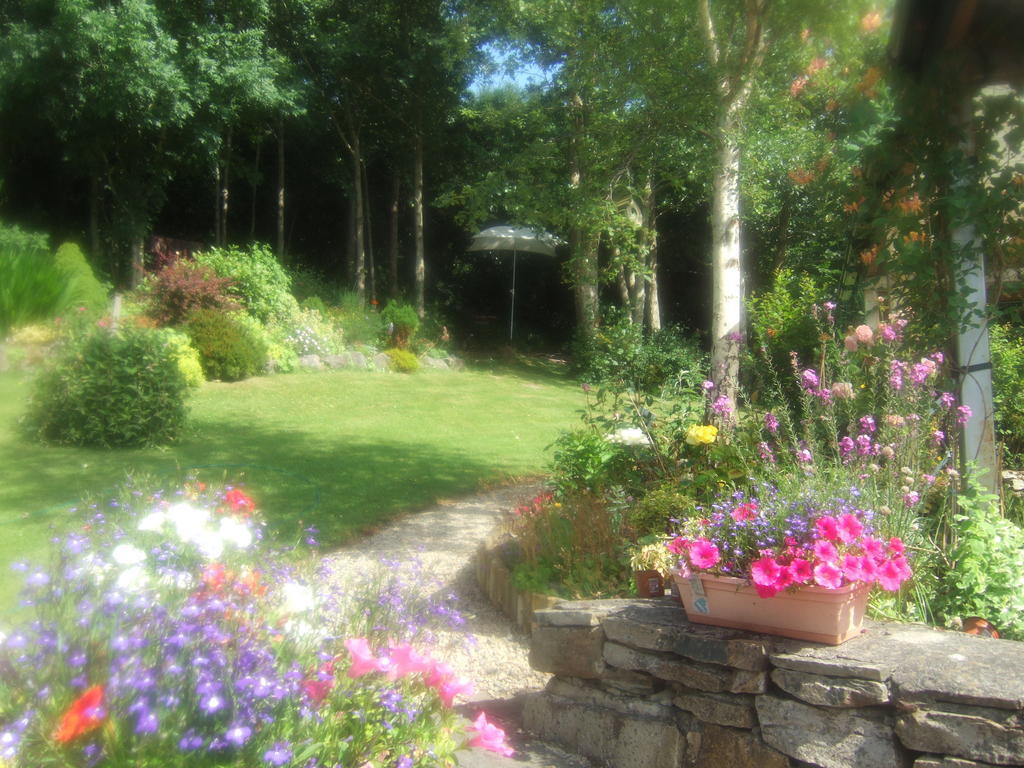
(637, 686)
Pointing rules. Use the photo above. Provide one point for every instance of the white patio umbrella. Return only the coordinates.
(515, 239)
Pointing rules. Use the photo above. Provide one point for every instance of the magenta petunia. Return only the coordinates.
(890, 576)
(363, 660)
(825, 551)
(764, 590)
(850, 528)
(765, 571)
(828, 527)
(872, 547)
(703, 554)
(868, 569)
(896, 545)
(852, 568)
(827, 575)
(800, 570)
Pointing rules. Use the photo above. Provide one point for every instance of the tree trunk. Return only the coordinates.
(396, 189)
(585, 279)
(280, 187)
(419, 277)
(137, 266)
(727, 266)
(94, 218)
(255, 189)
(652, 302)
(225, 179)
(216, 205)
(368, 227)
(359, 267)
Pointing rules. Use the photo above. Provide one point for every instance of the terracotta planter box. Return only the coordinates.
(821, 615)
(649, 583)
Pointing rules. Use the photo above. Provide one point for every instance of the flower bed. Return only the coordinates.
(168, 634)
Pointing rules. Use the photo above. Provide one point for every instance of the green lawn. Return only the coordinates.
(344, 450)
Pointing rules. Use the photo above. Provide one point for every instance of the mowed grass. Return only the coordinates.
(344, 451)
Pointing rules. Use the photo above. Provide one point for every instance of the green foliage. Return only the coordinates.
(88, 292)
(259, 282)
(986, 577)
(32, 287)
(624, 356)
(402, 360)
(308, 332)
(400, 322)
(1007, 345)
(315, 303)
(361, 324)
(111, 390)
(14, 238)
(186, 356)
(650, 515)
(228, 348)
(182, 288)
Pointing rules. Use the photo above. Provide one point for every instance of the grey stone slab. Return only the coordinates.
(604, 736)
(381, 362)
(568, 651)
(726, 709)
(557, 617)
(311, 362)
(438, 363)
(829, 738)
(719, 747)
(975, 733)
(942, 761)
(358, 360)
(629, 682)
(831, 691)
(337, 361)
(704, 677)
(744, 681)
(657, 705)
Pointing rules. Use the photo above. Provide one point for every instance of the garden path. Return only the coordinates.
(444, 538)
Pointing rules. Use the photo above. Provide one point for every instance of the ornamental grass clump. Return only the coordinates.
(166, 633)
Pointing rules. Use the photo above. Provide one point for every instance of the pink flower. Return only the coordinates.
(963, 414)
(868, 570)
(678, 545)
(890, 576)
(850, 528)
(405, 660)
(864, 334)
(903, 566)
(765, 572)
(809, 379)
(771, 422)
(896, 546)
(845, 446)
(800, 570)
(438, 674)
(766, 590)
(827, 575)
(489, 736)
(910, 498)
(825, 551)
(865, 446)
(452, 687)
(938, 436)
(850, 342)
(947, 399)
(804, 456)
(867, 425)
(765, 452)
(852, 568)
(744, 512)
(872, 547)
(363, 660)
(703, 554)
(828, 527)
(887, 332)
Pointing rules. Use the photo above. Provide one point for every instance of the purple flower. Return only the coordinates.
(804, 456)
(846, 446)
(237, 734)
(947, 399)
(771, 423)
(809, 379)
(708, 385)
(911, 498)
(864, 445)
(722, 406)
(766, 452)
(938, 436)
(963, 414)
(279, 754)
(146, 722)
(867, 425)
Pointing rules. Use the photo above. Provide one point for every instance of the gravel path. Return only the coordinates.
(445, 538)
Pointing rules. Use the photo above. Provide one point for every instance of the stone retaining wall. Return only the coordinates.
(637, 686)
(495, 581)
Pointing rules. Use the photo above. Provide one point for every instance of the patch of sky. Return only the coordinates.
(505, 65)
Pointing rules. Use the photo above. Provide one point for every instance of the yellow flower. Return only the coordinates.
(701, 435)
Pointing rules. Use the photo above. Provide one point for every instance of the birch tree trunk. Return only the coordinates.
(359, 265)
(419, 276)
(652, 303)
(396, 190)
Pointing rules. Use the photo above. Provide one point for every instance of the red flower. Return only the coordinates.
(84, 715)
(239, 500)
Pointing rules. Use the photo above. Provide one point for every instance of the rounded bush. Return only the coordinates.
(228, 349)
(259, 282)
(110, 390)
(186, 356)
(403, 361)
(182, 288)
(400, 323)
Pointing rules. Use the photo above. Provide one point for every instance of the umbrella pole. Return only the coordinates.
(512, 312)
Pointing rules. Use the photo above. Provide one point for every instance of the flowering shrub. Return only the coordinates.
(170, 636)
(778, 543)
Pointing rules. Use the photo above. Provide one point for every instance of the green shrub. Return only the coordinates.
(314, 303)
(186, 356)
(651, 514)
(400, 323)
(228, 348)
(403, 361)
(309, 333)
(14, 238)
(624, 356)
(361, 324)
(282, 356)
(183, 287)
(110, 390)
(1008, 385)
(259, 282)
(87, 291)
(309, 284)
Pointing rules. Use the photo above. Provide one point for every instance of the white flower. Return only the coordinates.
(235, 532)
(188, 520)
(628, 436)
(127, 554)
(209, 542)
(154, 521)
(298, 598)
(132, 579)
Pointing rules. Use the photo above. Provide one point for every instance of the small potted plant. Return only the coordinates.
(652, 564)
